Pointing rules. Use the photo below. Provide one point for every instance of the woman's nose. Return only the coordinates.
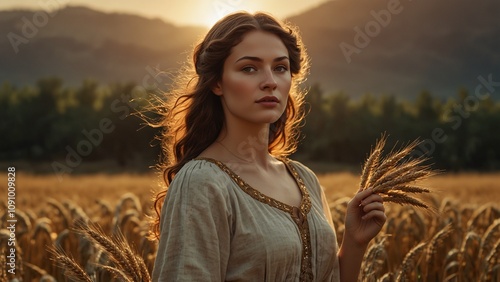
(268, 80)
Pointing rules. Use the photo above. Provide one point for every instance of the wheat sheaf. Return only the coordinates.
(395, 175)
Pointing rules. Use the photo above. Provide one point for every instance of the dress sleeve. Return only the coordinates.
(195, 226)
(326, 208)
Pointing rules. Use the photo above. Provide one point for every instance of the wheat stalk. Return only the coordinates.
(119, 251)
(128, 266)
(488, 239)
(394, 176)
(388, 277)
(374, 258)
(410, 261)
(469, 252)
(432, 250)
(371, 163)
(71, 268)
(117, 273)
(492, 261)
(437, 240)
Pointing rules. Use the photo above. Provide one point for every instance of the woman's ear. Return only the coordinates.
(217, 89)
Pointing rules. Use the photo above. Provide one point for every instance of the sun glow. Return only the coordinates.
(220, 8)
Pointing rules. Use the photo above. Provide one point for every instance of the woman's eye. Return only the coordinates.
(249, 69)
(281, 68)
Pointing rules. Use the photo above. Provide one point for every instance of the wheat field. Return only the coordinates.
(458, 239)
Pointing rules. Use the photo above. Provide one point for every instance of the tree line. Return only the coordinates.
(68, 125)
(457, 133)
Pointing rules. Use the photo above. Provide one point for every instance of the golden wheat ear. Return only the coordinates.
(127, 264)
(394, 176)
(371, 163)
(72, 269)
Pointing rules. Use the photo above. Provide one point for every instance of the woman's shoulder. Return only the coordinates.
(199, 167)
(200, 172)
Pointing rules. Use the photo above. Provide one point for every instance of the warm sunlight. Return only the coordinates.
(220, 8)
(186, 12)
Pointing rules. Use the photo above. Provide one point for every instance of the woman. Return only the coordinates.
(236, 207)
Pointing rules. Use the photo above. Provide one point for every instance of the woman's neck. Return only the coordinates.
(247, 143)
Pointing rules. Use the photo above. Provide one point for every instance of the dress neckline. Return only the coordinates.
(305, 202)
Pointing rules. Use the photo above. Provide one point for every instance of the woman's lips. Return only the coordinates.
(268, 101)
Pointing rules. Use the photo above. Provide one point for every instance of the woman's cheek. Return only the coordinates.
(242, 86)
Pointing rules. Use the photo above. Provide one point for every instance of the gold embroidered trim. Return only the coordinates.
(299, 216)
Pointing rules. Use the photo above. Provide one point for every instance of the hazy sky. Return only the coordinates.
(177, 11)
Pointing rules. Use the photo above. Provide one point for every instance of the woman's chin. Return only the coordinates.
(270, 120)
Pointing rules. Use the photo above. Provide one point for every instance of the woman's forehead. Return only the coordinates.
(259, 44)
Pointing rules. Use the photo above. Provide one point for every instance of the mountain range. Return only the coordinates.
(398, 47)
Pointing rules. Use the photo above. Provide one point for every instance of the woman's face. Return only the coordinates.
(256, 79)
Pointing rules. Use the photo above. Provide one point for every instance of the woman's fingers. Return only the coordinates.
(373, 206)
(360, 196)
(375, 214)
(370, 199)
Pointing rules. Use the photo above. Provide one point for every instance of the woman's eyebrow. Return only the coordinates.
(257, 59)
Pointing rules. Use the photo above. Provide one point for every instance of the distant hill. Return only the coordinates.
(434, 45)
(78, 42)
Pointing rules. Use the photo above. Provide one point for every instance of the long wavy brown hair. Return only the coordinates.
(192, 115)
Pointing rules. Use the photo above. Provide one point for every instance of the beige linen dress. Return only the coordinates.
(215, 227)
